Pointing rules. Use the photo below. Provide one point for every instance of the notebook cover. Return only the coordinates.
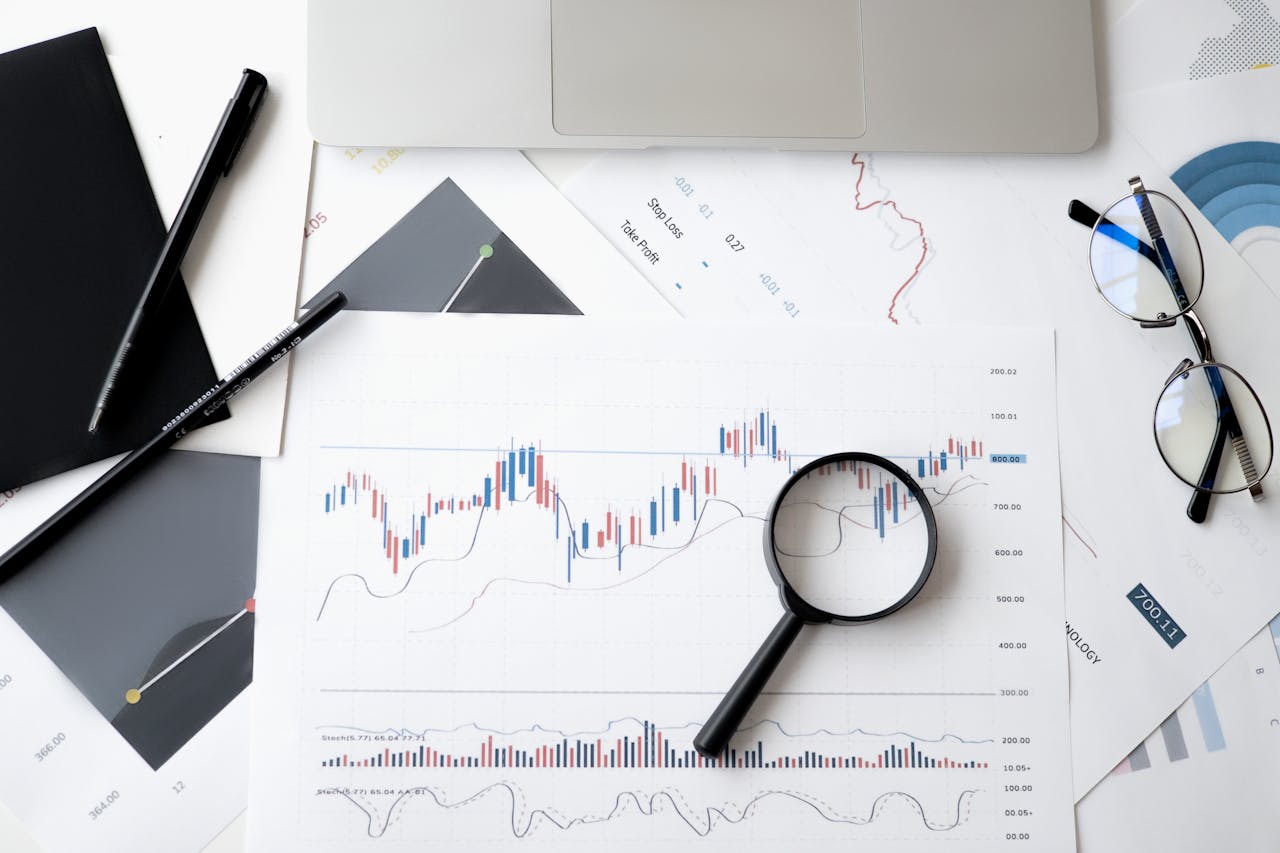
(79, 233)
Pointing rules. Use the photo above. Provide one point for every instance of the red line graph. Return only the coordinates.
(858, 205)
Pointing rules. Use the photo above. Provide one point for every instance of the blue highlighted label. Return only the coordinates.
(1015, 458)
(1156, 615)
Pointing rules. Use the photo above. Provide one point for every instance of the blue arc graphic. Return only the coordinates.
(1236, 186)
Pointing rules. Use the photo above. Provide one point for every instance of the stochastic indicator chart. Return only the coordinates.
(651, 747)
(508, 617)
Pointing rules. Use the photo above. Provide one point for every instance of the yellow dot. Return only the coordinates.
(1261, 65)
(133, 695)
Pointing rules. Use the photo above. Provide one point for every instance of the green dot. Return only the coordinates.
(486, 251)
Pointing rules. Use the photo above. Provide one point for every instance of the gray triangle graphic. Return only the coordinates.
(443, 244)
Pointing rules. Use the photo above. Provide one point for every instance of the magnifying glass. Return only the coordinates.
(850, 538)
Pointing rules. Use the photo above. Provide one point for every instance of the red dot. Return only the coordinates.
(250, 604)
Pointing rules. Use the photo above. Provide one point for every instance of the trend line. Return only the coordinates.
(695, 535)
(135, 695)
(564, 691)
(486, 251)
(610, 557)
(1079, 536)
(924, 241)
(521, 827)
(537, 728)
(956, 488)
(841, 516)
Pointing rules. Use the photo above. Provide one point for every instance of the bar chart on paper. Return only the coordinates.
(513, 580)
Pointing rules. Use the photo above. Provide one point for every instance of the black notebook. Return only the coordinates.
(79, 233)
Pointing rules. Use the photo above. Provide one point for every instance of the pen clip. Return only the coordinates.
(259, 84)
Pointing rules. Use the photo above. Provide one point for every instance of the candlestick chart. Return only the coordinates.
(617, 536)
(511, 581)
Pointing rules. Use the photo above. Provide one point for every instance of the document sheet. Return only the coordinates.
(911, 240)
(508, 567)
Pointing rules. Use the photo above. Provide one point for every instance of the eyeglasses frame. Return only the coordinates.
(1158, 253)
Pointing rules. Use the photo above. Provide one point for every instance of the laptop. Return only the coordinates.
(840, 75)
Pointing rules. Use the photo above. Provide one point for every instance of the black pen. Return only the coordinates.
(227, 141)
(194, 415)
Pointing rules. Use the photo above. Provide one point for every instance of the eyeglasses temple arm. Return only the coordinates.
(1163, 256)
(1228, 426)
(1198, 507)
(1082, 213)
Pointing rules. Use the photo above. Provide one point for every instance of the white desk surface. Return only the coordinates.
(152, 26)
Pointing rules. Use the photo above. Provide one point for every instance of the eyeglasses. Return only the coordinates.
(1147, 264)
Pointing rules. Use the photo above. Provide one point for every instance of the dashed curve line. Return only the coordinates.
(525, 821)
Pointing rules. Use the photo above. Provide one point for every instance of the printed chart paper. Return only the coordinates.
(456, 210)
(122, 603)
(91, 770)
(509, 566)
(912, 240)
(1154, 45)
(1220, 141)
(126, 660)
(1208, 771)
(181, 94)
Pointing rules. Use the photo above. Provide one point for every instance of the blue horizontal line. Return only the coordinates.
(545, 450)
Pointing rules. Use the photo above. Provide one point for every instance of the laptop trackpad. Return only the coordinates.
(759, 68)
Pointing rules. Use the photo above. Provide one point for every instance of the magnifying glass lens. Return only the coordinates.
(849, 539)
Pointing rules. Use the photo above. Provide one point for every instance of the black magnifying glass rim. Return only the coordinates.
(791, 600)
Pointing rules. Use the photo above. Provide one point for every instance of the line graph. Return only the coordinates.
(523, 466)
(524, 820)
(663, 554)
(160, 644)
(769, 725)
(516, 615)
(134, 694)
(889, 204)
(632, 541)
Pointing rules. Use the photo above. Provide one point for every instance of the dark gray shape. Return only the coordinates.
(1174, 743)
(177, 706)
(1139, 759)
(509, 283)
(421, 261)
(125, 593)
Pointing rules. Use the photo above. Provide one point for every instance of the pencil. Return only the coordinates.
(194, 415)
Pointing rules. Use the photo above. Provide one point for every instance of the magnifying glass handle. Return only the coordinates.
(715, 733)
